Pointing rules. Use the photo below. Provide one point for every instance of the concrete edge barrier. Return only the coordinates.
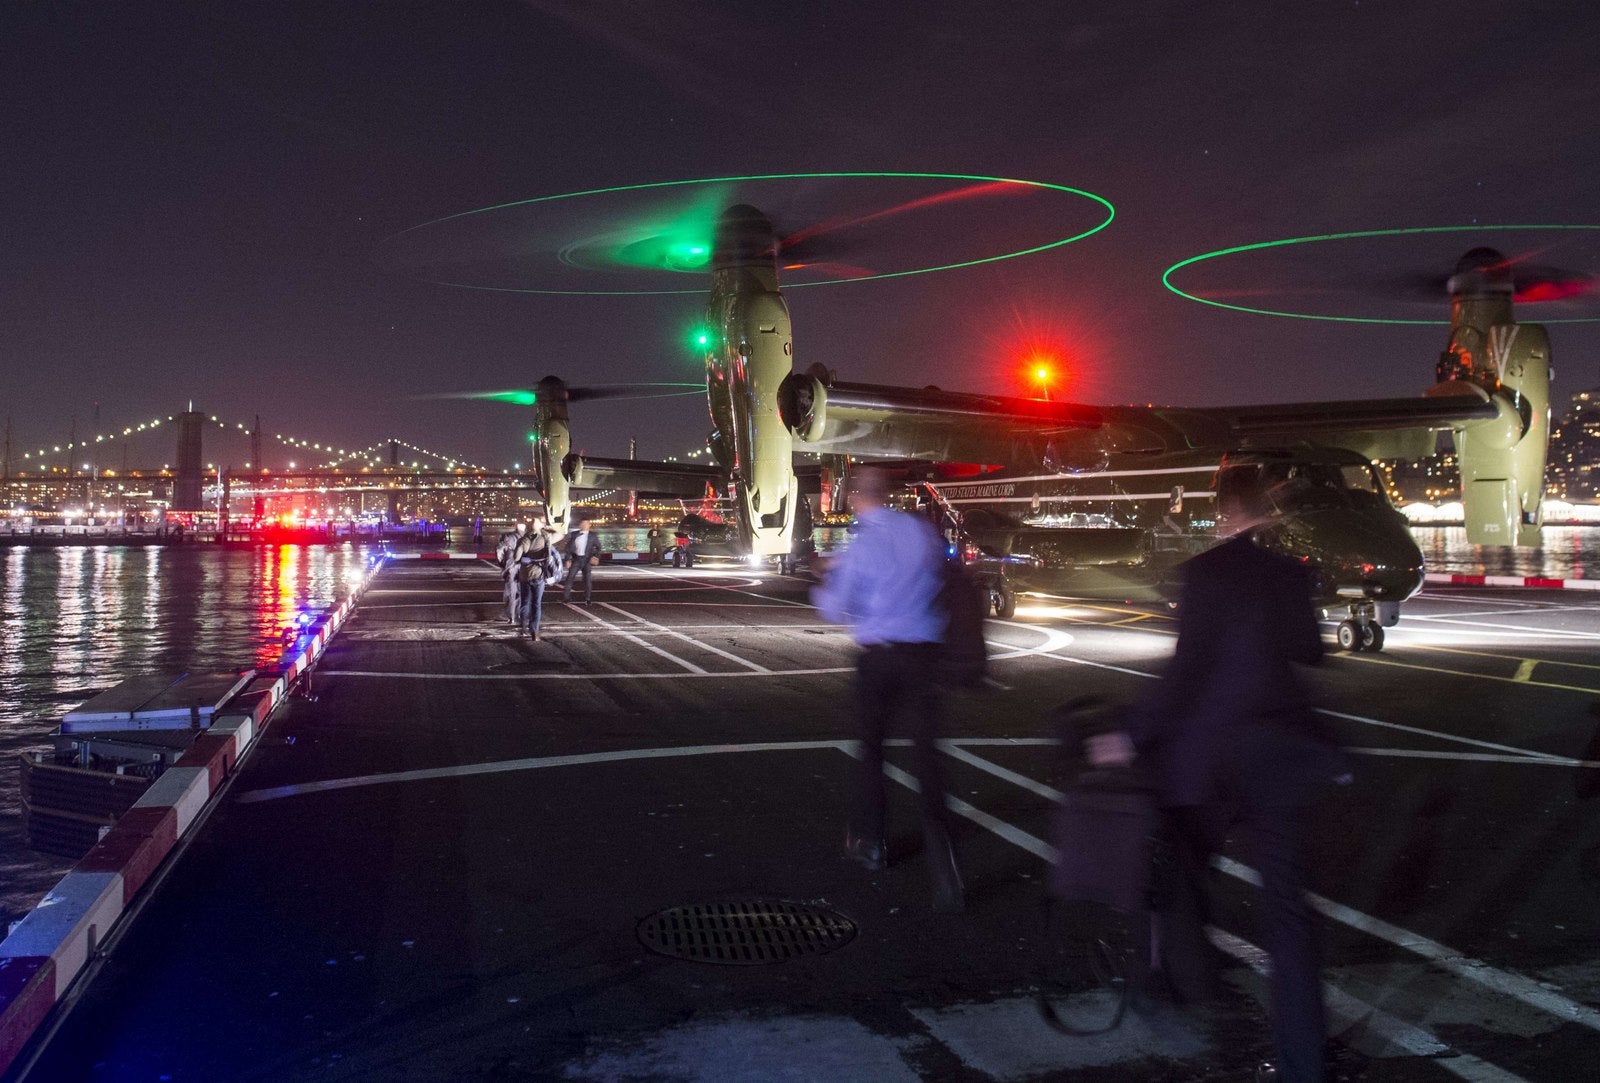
(55, 941)
(1537, 582)
(185, 790)
(28, 991)
(67, 925)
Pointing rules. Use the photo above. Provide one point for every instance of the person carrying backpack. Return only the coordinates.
(532, 559)
(886, 585)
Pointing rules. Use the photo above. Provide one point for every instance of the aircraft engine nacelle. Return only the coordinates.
(572, 469)
(552, 444)
(1502, 459)
(764, 449)
(803, 406)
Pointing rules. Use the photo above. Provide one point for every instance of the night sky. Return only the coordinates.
(191, 195)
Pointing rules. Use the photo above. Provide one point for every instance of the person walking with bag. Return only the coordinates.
(886, 586)
(532, 558)
(1235, 744)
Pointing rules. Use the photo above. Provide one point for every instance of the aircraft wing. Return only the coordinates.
(875, 421)
(1376, 428)
(685, 480)
(927, 423)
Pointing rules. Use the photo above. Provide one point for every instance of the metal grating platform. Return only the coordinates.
(745, 932)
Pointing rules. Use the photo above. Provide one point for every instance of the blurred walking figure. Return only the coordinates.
(533, 558)
(886, 585)
(1237, 746)
(504, 551)
(583, 553)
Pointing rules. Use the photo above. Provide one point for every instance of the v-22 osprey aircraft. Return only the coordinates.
(1078, 500)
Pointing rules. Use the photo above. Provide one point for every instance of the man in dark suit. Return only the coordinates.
(1233, 737)
(583, 551)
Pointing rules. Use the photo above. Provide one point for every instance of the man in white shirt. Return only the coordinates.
(583, 554)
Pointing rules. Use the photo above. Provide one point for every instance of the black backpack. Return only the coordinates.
(964, 661)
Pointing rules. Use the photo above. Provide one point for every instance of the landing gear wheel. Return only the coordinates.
(1372, 638)
(1004, 602)
(1349, 636)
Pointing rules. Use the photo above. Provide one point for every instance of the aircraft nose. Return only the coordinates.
(1356, 554)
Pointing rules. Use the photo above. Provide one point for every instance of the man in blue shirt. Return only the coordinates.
(885, 585)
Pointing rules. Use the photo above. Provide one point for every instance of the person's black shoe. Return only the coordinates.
(871, 854)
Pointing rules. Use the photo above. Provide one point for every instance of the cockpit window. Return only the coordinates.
(1314, 484)
(1361, 478)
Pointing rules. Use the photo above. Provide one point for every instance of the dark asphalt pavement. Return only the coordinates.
(435, 869)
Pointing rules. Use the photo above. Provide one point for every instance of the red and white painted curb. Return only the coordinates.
(55, 941)
(1455, 580)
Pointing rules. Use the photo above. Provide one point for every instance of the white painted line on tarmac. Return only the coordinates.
(720, 604)
(1551, 633)
(433, 590)
(434, 605)
(1338, 714)
(690, 666)
(734, 590)
(1054, 640)
(535, 763)
(1524, 611)
(950, 748)
(1012, 834)
(531, 764)
(1528, 752)
(1350, 1012)
(663, 629)
(1503, 982)
(1469, 757)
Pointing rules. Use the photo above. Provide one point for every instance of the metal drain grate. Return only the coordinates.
(744, 932)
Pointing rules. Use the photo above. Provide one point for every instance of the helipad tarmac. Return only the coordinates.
(436, 868)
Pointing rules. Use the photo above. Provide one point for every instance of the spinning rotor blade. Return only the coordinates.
(633, 391)
(578, 242)
(1485, 268)
(525, 397)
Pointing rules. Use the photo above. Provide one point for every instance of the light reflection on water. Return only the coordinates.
(1567, 552)
(78, 619)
